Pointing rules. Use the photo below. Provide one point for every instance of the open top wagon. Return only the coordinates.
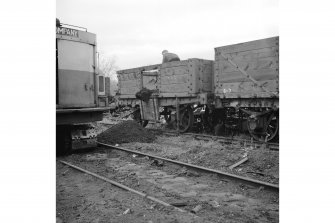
(237, 92)
(246, 77)
(174, 87)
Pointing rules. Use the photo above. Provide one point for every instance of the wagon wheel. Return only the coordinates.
(137, 117)
(186, 119)
(269, 130)
(167, 116)
(169, 121)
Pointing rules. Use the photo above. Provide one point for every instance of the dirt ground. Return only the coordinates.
(220, 200)
(83, 198)
(262, 164)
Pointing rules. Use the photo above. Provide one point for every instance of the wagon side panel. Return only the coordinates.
(259, 59)
(186, 78)
(175, 78)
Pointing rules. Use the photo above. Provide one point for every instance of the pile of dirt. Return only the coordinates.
(125, 132)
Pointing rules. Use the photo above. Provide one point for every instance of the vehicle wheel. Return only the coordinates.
(268, 131)
(186, 119)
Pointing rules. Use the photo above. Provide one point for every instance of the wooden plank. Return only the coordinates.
(130, 83)
(248, 64)
(250, 54)
(175, 79)
(246, 87)
(150, 73)
(251, 45)
(177, 88)
(245, 159)
(170, 101)
(139, 69)
(129, 76)
(237, 76)
(129, 90)
(173, 71)
(174, 64)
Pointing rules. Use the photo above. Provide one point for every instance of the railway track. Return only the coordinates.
(220, 173)
(124, 187)
(84, 194)
(207, 197)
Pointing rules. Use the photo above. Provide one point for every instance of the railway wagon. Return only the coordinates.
(246, 77)
(175, 87)
(237, 92)
(77, 99)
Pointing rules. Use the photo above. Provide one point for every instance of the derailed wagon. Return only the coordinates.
(238, 92)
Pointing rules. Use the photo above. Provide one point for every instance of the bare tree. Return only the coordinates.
(108, 67)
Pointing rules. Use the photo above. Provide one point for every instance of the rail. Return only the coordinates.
(229, 175)
(125, 187)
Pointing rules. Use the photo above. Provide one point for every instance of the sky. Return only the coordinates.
(135, 33)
